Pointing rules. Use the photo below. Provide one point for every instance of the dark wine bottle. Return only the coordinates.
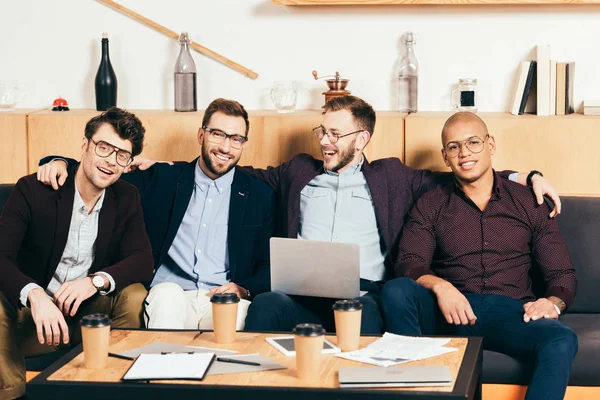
(106, 80)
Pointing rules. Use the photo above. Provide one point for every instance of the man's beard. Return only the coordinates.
(209, 162)
(345, 158)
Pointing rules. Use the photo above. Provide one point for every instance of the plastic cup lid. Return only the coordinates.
(224, 298)
(309, 330)
(347, 305)
(95, 320)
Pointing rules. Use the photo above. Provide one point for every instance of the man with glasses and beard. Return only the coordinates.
(466, 254)
(208, 222)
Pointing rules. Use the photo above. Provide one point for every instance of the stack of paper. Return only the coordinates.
(397, 349)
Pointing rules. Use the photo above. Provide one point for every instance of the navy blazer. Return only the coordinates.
(166, 191)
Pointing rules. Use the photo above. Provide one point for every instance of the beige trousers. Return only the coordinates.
(18, 337)
(168, 306)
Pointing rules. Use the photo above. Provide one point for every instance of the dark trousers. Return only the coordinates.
(410, 309)
(278, 312)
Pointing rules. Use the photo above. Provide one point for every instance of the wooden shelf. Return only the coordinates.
(428, 2)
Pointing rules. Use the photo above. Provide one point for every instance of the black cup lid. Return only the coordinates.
(95, 320)
(309, 330)
(225, 298)
(347, 305)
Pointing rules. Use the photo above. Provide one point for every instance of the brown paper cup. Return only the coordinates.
(347, 328)
(347, 314)
(224, 308)
(95, 335)
(308, 352)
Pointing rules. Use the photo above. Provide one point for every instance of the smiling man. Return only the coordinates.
(209, 224)
(77, 251)
(465, 259)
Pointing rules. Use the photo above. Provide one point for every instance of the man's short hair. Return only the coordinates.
(361, 111)
(228, 107)
(125, 124)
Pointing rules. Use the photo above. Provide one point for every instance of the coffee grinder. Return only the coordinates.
(337, 85)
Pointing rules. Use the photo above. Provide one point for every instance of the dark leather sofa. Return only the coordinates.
(580, 225)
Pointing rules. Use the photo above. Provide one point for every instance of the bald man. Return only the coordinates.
(465, 258)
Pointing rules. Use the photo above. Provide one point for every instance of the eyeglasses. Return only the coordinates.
(104, 150)
(218, 136)
(474, 144)
(320, 131)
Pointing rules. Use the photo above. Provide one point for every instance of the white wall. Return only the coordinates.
(54, 46)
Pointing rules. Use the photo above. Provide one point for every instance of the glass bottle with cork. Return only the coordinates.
(185, 77)
(408, 76)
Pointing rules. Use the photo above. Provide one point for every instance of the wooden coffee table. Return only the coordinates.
(68, 379)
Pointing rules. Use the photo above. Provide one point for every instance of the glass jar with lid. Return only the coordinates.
(464, 97)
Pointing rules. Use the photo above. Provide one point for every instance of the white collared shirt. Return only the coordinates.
(78, 254)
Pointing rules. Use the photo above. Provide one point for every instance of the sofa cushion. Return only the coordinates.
(579, 223)
(500, 368)
(5, 190)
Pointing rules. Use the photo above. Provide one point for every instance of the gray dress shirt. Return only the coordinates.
(338, 208)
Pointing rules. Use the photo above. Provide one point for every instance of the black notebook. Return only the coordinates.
(531, 81)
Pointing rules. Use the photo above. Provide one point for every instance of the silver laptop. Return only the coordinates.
(315, 268)
(406, 376)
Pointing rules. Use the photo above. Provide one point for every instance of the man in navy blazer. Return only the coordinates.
(209, 224)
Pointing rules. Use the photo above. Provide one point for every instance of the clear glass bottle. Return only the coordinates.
(185, 77)
(408, 76)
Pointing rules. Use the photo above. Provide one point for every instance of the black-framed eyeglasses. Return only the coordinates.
(320, 131)
(218, 136)
(474, 144)
(104, 150)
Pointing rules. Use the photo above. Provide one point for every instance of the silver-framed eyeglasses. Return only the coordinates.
(320, 131)
(104, 150)
(474, 144)
(218, 136)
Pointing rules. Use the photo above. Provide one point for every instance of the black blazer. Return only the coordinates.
(166, 191)
(34, 228)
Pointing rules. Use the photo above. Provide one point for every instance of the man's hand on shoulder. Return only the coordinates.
(541, 308)
(54, 173)
(71, 294)
(542, 187)
(143, 164)
(48, 319)
(230, 288)
(454, 305)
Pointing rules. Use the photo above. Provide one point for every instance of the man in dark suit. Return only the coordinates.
(64, 254)
(208, 222)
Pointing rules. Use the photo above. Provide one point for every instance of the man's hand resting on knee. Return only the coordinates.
(48, 319)
(231, 288)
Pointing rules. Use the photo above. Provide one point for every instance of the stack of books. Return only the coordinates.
(547, 85)
(591, 107)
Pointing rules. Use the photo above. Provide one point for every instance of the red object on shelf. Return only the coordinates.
(60, 104)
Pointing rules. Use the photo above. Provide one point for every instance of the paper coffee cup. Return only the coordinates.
(224, 308)
(95, 335)
(308, 343)
(348, 314)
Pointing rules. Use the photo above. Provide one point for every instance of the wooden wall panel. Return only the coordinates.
(564, 148)
(13, 145)
(274, 138)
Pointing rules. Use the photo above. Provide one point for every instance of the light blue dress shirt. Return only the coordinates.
(339, 208)
(198, 257)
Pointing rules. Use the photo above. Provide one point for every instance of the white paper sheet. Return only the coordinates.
(169, 366)
(397, 349)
